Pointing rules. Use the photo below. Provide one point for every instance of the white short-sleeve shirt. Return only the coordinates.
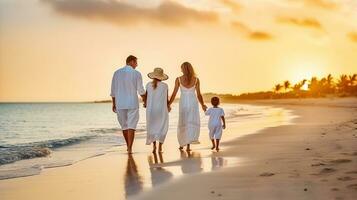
(215, 115)
(127, 83)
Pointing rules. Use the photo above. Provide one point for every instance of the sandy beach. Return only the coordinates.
(315, 157)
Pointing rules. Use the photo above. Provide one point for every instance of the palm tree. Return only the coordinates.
(297, 87)
(277, 88)
(329, 84)
(352, 79)
(343, 83)
(286, 85)
(314, 86)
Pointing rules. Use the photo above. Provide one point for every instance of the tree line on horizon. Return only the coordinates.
(343, 86)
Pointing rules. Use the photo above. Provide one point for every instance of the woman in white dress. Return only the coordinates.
(188, 129)
(156, 103)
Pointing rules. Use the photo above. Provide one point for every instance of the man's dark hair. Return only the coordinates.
(130, 58)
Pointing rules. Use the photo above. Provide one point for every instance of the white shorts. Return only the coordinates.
(128, 118)
(215, 132)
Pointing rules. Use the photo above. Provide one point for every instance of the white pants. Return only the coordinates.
(215, 132)
(128, 118)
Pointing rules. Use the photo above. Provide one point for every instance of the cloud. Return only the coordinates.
(259, 35)
(326, 4)
(121, 13)
(352, 36)
(304, 22)
(251, 34)
(233, 5)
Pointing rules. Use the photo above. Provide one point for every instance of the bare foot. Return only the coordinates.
(217, 149)
(213, 147)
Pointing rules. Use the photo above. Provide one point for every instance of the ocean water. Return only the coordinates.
(34, 136)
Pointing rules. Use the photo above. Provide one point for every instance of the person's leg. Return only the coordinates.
(133, 118)
(213, 144)
(217, 145)
(161, 158)
(211, 136)
(122, 119)
(154, 147)
(125, 134)
(160, 147)
(188, 147)
(131, 135)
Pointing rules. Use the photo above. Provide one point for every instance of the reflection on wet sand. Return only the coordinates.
(218, 162)
(191, 162)
(133, 180)
(158, 174)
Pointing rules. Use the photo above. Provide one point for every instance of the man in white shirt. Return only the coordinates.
(126, 84)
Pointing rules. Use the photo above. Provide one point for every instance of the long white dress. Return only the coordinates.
(157, 115)
(188, 130)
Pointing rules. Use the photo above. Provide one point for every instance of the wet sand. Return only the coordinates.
(314, 158)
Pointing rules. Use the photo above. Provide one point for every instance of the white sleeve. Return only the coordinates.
(222, 112)
(113, 88)
(139, 84)
(208, 112)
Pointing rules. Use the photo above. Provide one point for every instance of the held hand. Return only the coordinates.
(114, 109)
(204, 107)
(224, 126)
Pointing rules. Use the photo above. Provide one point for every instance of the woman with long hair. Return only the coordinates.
(188, 129)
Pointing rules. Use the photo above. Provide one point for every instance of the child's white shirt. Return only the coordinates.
(215, 115)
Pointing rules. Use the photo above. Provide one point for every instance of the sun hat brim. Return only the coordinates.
(162, 77)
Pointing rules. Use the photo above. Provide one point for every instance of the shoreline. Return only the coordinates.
(70, 154)
(198, 185)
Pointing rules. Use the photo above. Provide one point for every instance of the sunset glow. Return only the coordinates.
(67, 50)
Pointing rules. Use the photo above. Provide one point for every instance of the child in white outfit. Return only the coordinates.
(216, 117)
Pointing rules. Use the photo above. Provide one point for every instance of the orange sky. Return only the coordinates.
(67, 50)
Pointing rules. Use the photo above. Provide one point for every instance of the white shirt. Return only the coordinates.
(215, 115)
(126, 84)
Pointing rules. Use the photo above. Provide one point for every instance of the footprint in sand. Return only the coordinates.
(317, 164)
(327, 170)
(351, 172)
(267, 174)
(339, 161)
(335, 189)
(345, 178)
(352, 186)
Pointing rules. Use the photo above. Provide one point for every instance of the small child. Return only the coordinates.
(216, 117)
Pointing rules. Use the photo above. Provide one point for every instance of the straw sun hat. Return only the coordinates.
(158, 73)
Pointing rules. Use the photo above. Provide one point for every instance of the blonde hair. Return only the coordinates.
(188, 72)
